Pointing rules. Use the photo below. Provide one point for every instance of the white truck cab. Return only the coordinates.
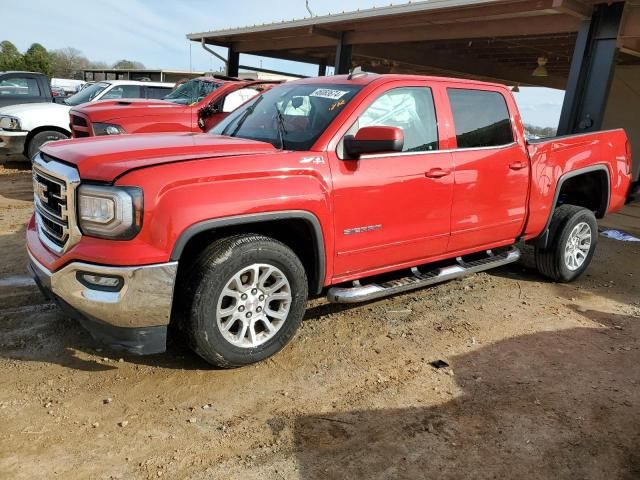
(25, 128)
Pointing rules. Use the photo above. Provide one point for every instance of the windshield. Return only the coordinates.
(290, 116)
(86, 94)
(192, 91)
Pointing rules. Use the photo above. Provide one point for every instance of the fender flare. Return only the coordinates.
(543, 240)
(253, 218)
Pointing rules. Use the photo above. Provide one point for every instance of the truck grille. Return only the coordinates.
(80, 126)
(54, 187)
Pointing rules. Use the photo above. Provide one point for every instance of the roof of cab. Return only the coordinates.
(137, 82)
(365, 78)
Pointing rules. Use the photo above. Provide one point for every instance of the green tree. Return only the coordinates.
(10, 57)
(129, 65)
(37, 59)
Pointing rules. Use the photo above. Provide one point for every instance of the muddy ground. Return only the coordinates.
(544, 382)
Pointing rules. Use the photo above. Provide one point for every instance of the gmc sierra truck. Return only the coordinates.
(194, 106)
(354, 187)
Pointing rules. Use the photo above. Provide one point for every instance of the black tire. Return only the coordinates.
(39, 139)
(204, 284)
(551, 261)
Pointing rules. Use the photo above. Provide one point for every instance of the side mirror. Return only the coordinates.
(374, 140)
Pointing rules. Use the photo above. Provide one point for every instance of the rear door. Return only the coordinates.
(491, 170)
(389, 208)
(19, 88)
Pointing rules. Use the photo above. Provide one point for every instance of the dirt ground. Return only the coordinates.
(544, 382)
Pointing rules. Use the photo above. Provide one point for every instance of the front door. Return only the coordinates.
(393, 209)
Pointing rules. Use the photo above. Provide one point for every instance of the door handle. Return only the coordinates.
(518, 165)
(437, 173)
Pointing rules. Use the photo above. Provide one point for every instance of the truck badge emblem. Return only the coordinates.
(40, 191)
(369, 228)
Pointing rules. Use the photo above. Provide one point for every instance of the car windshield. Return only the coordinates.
(291, 116)
(192, 91)
(87, 94)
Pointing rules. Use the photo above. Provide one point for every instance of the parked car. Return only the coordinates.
(58, 93)
(354, 186)
(25, 128)
(24, 87)
(194, 106)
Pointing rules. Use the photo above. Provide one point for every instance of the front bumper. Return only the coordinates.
(12, 142)
(134, 318)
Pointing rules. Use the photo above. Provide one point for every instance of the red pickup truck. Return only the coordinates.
(194, 106)
(354, 187)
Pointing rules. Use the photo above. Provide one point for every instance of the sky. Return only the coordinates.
(154, 33)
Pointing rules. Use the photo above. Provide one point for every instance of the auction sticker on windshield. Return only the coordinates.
(328, 93)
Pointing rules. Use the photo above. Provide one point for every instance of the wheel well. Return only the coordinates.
(297, 233)
(47, 128)
(589, 190)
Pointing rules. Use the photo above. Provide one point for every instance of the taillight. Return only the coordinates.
(627, 148)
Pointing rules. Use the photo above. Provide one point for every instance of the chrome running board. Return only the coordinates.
(363, 293)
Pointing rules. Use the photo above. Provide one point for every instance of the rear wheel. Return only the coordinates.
(573, 237)
(247, 297)
(39, 139)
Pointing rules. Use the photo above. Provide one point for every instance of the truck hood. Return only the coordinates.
(106, 158)
(34, 115)
(108, 110)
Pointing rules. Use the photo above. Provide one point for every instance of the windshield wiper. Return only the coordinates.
(282, 130)
(241, 119)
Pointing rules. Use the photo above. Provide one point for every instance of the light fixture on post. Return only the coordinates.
(541, 69)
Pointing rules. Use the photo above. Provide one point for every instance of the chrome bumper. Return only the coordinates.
(12, 142)
(135, 317)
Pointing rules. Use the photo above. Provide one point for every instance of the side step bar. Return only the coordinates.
(364, 293)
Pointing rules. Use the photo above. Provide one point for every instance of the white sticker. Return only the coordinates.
(329, 93)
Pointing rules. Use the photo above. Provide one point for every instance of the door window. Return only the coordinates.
(19, 87)
(481, 118)
(123, 91)
(411, 109)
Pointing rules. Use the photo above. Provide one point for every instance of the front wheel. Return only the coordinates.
(573, 238)
(39, 139)
(247, 296)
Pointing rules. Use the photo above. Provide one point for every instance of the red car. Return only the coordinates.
(194, 106)
(354, 187)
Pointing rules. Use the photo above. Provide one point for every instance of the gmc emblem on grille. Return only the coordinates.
(40, 191)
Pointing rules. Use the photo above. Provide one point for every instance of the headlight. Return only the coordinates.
(110, 212)
(9, 123)
(107, 129)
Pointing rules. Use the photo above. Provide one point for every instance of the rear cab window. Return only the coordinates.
(481, 118)
(19, 86)
(122, 91)
(157, 93)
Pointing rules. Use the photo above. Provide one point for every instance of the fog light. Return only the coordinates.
(107, 283)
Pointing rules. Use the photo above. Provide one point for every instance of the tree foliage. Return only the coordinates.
(69, 63)
(10, 57)
(37, 59)
(62, 63)
(128, 64)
